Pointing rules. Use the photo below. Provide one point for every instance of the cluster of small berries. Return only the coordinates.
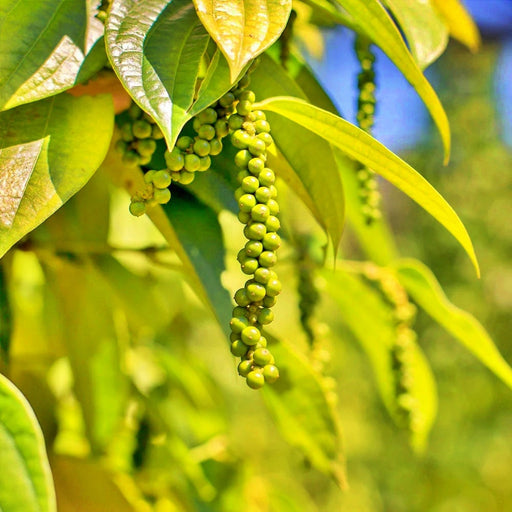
(256, 198)
(368, 190)
(189, 155)
(401, 352)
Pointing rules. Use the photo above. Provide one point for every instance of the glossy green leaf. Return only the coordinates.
(193, 231)
(48, 151)
(301, 408)
(373, 20)
(362, 147)
(26, 484)
(243, 28)
(423, 287)
(47, 42)
(90, 322)
(461, 25)
(364, 312)
(424, 28)
(309, 169)
(156, 48)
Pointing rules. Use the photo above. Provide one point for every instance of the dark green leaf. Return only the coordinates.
(162, 68)
(5, 314)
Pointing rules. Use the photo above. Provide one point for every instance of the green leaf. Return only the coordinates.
(425, 30)
(423, 287)
(243, 28)
(301, 408)
(362, 147)
(5, 315)
(26, 477)
(309, 169)
(193, 231)
(162, 69)
(461, 25)
(90, 322)
(48, 151)
(368, 318)
(47, 43)
(373, 20)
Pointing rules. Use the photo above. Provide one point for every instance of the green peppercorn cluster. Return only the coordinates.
(368, 191)
(306, 288)
(256, 198)
(401, 352)
(189, 155)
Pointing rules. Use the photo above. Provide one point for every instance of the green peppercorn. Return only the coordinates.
(206, 131)
(137, 208)
(201, 147)
(270, 373)
(141, 129)
(255, 231)
(246, 202)
(250, 184)
(239, 348)
(265, 316)
(267, 177)
(186, 178)
(161, 179)
(274, 287)
(253, 248)
(255, 291)
(215, 147)
(192, 162)
(251, 335)
(146, 147)
(262, 356)
(162, 196)
(175, 159)
(245, 367)
(260, 213)
(271, 241)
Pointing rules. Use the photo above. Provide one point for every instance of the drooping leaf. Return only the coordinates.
(301, 408)
(309, 169)
(162, 69)
(362, 147)
(48, 151)
(243, 28)
(26, 484)
(373, 20)
(423, 287)
(193, 231)
(48, 43)
(366, 315)
(425, 30)
(90, 335)
(461, 25)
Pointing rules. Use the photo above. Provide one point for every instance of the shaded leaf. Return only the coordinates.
(47, 42)
(309, 169)
(5, 314)
(58, 144)
(161, 70)
(425, 30)
(301, 408)
(362, 147)
(423, 287)
(243, 28)
(363, 311)
(373, 20)
(461, 25)
(26, 478)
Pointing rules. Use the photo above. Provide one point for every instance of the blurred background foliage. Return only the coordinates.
(137, 394)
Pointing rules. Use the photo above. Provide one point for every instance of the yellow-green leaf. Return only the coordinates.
(362, 147)
(26, 484)
(425, 30)
(243, 28)
(48, 151)
(423, 287)
(461, 25)
(373, 20)
(363, 310)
